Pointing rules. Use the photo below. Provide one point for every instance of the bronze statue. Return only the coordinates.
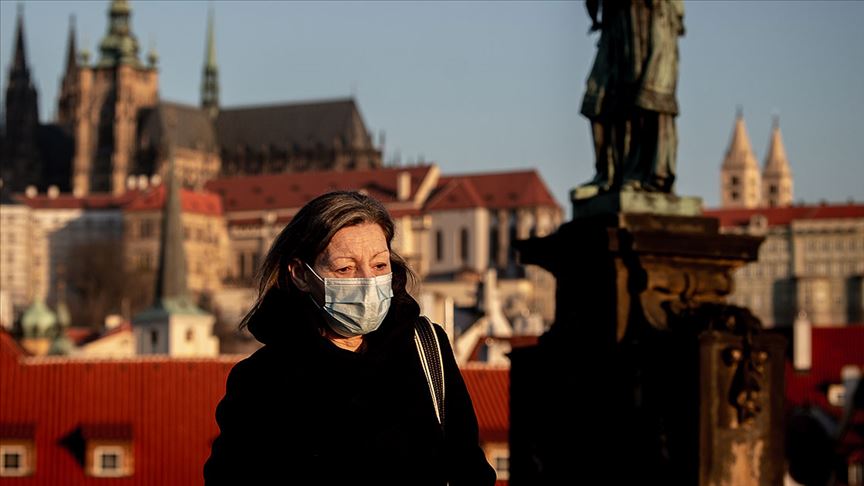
(630, 94)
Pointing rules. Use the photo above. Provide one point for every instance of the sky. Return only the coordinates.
(493, 86)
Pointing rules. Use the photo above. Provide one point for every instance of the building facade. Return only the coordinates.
(204, 233)
(812, 260)
(446, 226)
(23, 258)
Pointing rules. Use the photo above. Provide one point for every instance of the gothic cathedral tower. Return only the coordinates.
(740, 180)
(776, 175)
(21, 162)
(102, 102)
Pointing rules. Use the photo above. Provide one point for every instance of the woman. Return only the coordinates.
(338, 395)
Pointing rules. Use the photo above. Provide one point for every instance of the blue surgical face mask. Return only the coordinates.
(355, 306)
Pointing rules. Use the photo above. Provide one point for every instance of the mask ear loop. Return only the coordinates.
(313, 272)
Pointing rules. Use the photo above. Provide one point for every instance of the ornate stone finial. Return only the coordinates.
(84, 57)
(84, 53)
(152, 56)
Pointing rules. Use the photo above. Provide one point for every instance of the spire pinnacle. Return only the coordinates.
(211, 43)
(71, 49)
(210, 74)
(776, 160)
(19, 60)
(740, 152)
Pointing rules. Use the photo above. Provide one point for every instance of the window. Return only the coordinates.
(190, 335)
(256, 260)
(501, 460)
(734, 195)
(735, 180)
(772, 189)
(15, 460)
(154, 339)
(493, 246)
(464, 241)
(837, 395)
(439, 245)
(241, 264)
(146, 228)
(110, 461)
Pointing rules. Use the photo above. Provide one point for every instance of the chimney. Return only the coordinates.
(802, 357)
(403, 186)
(53, 192)
(112, 321)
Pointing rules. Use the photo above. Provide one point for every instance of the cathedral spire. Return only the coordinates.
(776, 175)
(19, 71)
(171, 276)
(740, 151)
(71, 49)
(210, 75)
(776, 160)
(22, 164)
(740, 179)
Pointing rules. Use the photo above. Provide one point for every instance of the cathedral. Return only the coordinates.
(112, 128)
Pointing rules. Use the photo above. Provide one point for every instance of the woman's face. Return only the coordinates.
(355, 252)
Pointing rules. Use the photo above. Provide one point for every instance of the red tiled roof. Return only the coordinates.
(107, 431)
(455, 193)
(490, 391)
(17, 431)
(294, 190)
(784, 216)
(166, 405)
(79, 335)
(196, 202)
(508, 190)
(831, 349)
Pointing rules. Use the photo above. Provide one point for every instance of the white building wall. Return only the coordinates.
(450, 225)
(19, 272)
(192, 335)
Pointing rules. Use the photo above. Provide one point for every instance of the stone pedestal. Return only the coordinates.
(646, 365)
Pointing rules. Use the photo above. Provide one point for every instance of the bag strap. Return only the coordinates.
(429, 350)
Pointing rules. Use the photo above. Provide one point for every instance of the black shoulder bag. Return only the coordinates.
(429, 350)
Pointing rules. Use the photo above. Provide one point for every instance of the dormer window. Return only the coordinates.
(17, 450)
(16, 460)
(109, 452)
(110, 461)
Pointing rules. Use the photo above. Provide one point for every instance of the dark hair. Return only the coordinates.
(308, 234)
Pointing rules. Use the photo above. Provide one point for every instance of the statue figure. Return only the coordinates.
(630, 94)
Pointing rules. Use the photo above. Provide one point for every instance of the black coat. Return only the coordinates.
(302, 411)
